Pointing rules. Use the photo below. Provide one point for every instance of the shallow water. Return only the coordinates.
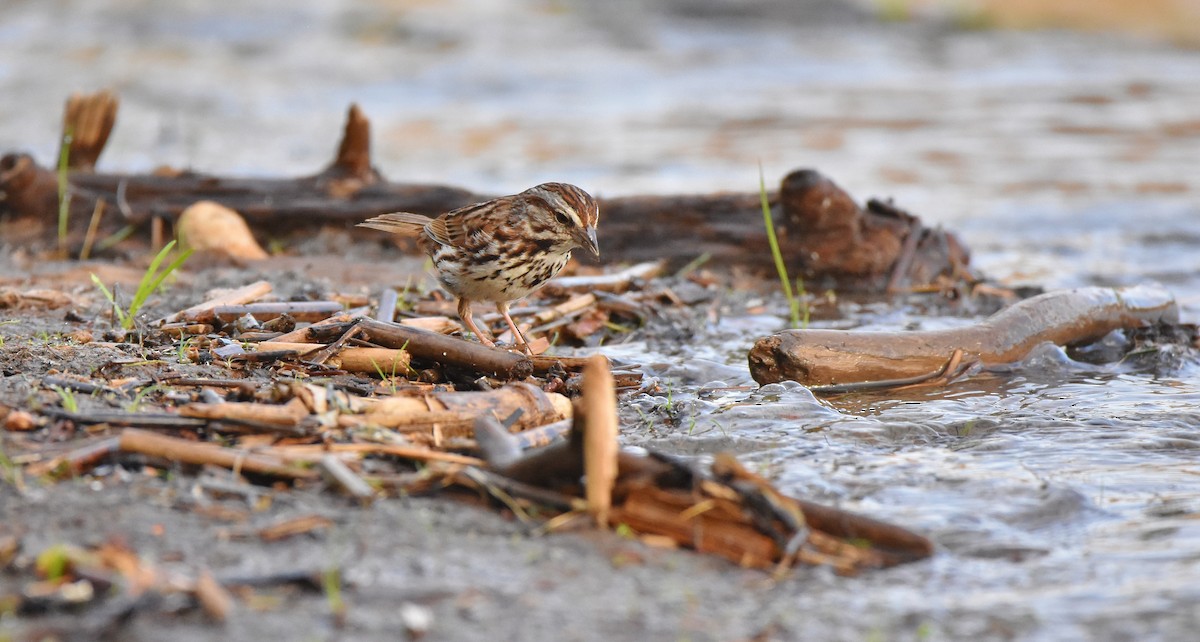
(1062, 495)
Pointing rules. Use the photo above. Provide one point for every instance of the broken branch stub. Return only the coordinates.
(88, 121)
(825, 357)
(600, 440)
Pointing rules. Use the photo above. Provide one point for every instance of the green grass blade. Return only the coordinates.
(116, 237)
(144, 286)
(112, 300)
(64, 197)
(171, 267)
(153, 279)
(776, 253)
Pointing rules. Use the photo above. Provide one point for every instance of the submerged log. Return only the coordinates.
(824, 235)
(1069, 317)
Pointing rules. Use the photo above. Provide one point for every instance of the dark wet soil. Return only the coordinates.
(471, 572)
(459, 569)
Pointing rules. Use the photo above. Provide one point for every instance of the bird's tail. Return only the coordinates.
(402, 223)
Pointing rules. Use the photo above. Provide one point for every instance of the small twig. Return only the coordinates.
(337, 472)
(90, 237)
(414, 453)
(122, 201)
(140, 420)
(300, 310)
(387, 305)
(244, 294)
(899, 276)
(616, 282)
(293, 527)
(543, 435)
(511, 488)
(213, 598)
(449, 351)
(322, 355)
(244, 388)
(78, 461)
(156, 233)
(84, 387)
(189, 452)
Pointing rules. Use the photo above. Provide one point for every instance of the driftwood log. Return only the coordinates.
(825, 236)
(1069, 317)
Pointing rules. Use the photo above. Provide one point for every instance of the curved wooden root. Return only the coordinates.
(827, 357)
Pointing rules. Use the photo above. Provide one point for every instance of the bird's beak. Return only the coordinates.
(589, 242)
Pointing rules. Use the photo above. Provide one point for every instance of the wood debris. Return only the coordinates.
(829, 357)
(826, 236)
(368, 400)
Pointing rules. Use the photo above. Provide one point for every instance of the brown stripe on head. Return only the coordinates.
(568, 199)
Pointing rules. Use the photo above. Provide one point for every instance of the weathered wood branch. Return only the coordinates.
(449, 352)
(821, 357)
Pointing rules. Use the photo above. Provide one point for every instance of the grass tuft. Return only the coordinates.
(150, 283)
(67, 398)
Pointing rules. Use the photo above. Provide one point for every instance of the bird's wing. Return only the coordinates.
(453, 227)
(402, 223)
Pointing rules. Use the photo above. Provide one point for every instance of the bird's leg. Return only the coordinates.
(502, 306)
(464, 313)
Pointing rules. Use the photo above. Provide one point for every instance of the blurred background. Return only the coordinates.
(1060, 139)
(944, 104)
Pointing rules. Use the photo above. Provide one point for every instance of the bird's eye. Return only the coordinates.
(563, 218)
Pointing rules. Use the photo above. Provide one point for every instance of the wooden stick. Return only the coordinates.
(289, 414)
(339, 474)
(387, 305)
(89, 238)
(316, 333)
(652, 510)
(117, 418)
(600, 441)
(214, 598)
(299, 310)
(366, 360)
(543, 363)
(901, 544)
(452, 414)
(490, 480)
(179, 330)
(200, 453)
(244, 294)
(309, 453)
(295, 526)
(451, 352)
(616, 282)
(573, 305)
(438, 324)
(78, 461)
(543, 435)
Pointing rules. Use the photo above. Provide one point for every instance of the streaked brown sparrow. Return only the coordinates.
(502, 249)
